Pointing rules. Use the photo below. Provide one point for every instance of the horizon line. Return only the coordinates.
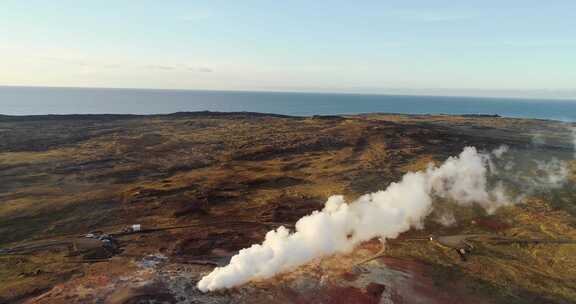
(333, 92)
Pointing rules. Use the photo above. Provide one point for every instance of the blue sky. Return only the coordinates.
(469, 47)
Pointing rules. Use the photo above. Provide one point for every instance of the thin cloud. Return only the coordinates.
(109, 66)
(112, 66)
(160, 67)
(81, 63)
(201, 70)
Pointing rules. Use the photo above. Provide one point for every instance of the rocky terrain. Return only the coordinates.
(231, 177)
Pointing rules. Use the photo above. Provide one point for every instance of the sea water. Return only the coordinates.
(37, 100)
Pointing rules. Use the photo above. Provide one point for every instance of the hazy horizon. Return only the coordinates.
(561, 95)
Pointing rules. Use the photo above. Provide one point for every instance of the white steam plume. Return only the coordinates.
(340, 226)
(446, 219)
(551, 174)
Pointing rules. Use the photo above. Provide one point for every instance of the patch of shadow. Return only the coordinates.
(274, 182)
(21, 298)
(290, 209)
(367, 182)
(153, 293)
(295, 166)
(68, 117)
(211, 114)
(118, 177)
(14, 182)
(86, 166)
(229, 238)
(221, 197)
(139, 194)
(187, 167)
(271, 151)
(187, 207)
(38, 138)
(80, 216)
(446, 276)
(328, 117)
(6, 167)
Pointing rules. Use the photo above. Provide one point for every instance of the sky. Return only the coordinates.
(441, 47)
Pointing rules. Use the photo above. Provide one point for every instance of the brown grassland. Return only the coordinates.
(232, 173)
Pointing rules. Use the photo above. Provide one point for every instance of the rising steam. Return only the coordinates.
(341, 226)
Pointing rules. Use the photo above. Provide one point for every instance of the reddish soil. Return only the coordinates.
(492, 224)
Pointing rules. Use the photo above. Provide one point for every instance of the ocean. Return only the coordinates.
(36, 100)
